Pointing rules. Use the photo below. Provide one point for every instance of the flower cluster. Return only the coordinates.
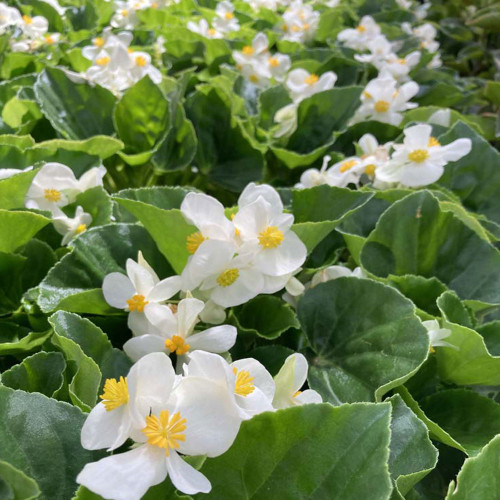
(300, 22)
(168, 416)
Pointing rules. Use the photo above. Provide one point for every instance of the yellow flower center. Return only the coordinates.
(28, 19)
(177, 344)
(165, 432)
(52, 195)
(306, 26)
(124, 12)
(140, 61)
(98, 42)
(81, 228)
(49, 40)
(433, 142)
(247, 50)
(212, 32)
(115, 393)
(228, 277)
(229, 15)
(244, 383)
(253, 78)
(296, 394)
(193, 241)
(418, 155)
(401, 61)
(381, 106)
(103, 61)
(347, 165)
(432, 350)
(361, 28)
(311, 79)
(367, 95)
(154, 5)
(284, 27)
(370, 169)
(236, 230)
(271, 237)
(137, 303)
(273, 62)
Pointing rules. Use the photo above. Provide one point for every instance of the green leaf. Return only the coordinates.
(74, 283)
(311, 451)
(26, 344)
(266, 316)
(17, 228)
(366, 337)
(12, 268)
(102, 146)
(414, 236)
(42, 372)
(142, 116)
(75, 110)
(22, 487)
(471, 419)
(96, 202)
(412, 454)
(30, 424)
(478, 477)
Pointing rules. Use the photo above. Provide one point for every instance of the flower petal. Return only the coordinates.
(137, 347)
(216, 339)
(117, 289)
(142, 279)
(187, 315)
(165, 289)
(307, 397)
(185, 477)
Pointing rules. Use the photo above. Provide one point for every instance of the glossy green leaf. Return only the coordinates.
(17, 228)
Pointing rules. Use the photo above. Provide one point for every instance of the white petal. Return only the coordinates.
(185, 477)
(289, 380)
(209, 366)
(253, 191)
(187, 315)
(307, 397)
(216, 339)
(457, 149)
(262, 378)
(201, 210)
(138, 322)
(421, 175)
(117, 289)
(106, 429)
(138, 347)
(140, 277)
(162, 318)
(125, 476)
(165, 289)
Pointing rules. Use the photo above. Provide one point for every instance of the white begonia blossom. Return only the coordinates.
(302, 84)
(141, 66)
(174, 332)
(359, 38)
(165, 417)
(441, 117)
(300, 22)
(345, 172)
(421, 159)
(398, 67)
(9, 17)
(125, 16)
(333, 272)
(374, 154)
(34, 27)
(379, 48)
(286, 118)
(137, 290)
(437, 334)
(427, 33)
(56, 186)
(383, 101)
(248, 382)
(313, 177)
(70, 227)
(225, 21)
(289, 381)
(106, 41)
(203, 29)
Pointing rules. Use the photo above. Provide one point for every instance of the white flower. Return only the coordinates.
(253, 52)
(286, 118)
(302, 84)
(383, 101)
(421, 159)
(141, 66)
(289, 380)
(300, 22)
(374, 154)
(193, 416)
(313, 177)
(174, 332)
(106, 41)
(345, 172)
(333, 272)
(34, 27)
(208, 215)
(125, 16)
(70, 227)
(437, 334)
(137, 291)
(52, 38)
(203, 29)
(398, 67)
(225, 20)
(427, 33)
(55, 186)
(9, 16)
(249, 383)
(379, 48)
(359, 38)
(441, 117)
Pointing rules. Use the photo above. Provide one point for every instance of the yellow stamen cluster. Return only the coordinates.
(27, 19)
(124, 12)
(347, 165)
(228, 277)
(271, 237)
(311, 79)
(115, 393)
(433, 142)
(177, 344)
(360, 28)
(254, 78)
(244, 383)
(137, 303)
(229, 16)
(401, 61)
(212, 32)
(52, 195)
(103, 61)
(98, 42)
(81, 228)
(141, 61)
(49, 40)
(296, 394)
(273, 62)
(193, 241)
(165, 432)
(418, 155)
(370, 169)
(367, 95)
(381, 106)
(247, 50)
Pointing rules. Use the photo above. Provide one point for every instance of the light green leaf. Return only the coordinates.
(22, 487)
(17, 228)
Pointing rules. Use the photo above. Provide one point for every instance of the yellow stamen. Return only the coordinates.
(228, 277)
(273, 62)
(165, 432)
(370, 169)
(433, 142)
(367, 95)
(236, 230)
(401, 61)
(229, 15)
(271, 237)
(81, 228)
(381, 106)
(124, 13)
(295, 28)
(28, 19)
(347, 165)
(115, 393)
(212, 32)
(432, 350)
(52, 195)
(360, 28)
(154, 5)
(284, 27)
(254, 78)
(137, 303)
(49, 40)
(244, 383)
(296, 394)
(418, 155)
(306, 26)
(177, 344)
(141, 61)
(103, 61)
(311, 79)
(98, 42)
(247, 50)
(193, 241)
